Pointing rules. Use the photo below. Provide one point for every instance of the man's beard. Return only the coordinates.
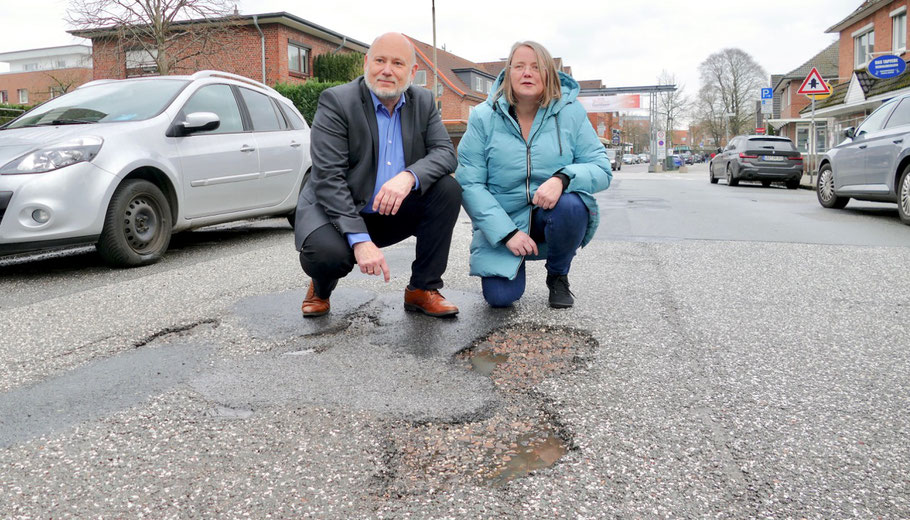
(386, 93)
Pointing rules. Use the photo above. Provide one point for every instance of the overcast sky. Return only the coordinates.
(623, 43)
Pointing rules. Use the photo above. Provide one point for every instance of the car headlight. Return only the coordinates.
(55, 156)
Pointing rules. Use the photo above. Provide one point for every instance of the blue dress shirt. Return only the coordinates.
(391, 156)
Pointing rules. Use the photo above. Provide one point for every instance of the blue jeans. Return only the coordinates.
(562, 228)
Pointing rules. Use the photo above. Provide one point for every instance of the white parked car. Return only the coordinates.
(124, 163)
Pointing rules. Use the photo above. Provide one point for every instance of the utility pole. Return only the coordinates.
(435, 67)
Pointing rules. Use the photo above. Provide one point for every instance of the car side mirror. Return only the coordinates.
(850, 132)
(200, 122)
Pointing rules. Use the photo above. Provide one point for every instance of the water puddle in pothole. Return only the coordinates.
(520, 437)
(486, 362)
(536, 450)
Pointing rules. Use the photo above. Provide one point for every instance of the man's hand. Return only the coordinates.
(547, 195)
(371, 260)
(393, 192)
(521, 244)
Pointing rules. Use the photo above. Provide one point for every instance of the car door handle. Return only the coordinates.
(295, 144)
(898, 141)
(862, 146)
(246, 148)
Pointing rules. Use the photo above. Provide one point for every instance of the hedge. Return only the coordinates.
(305, 96)
(9, 112)
(338, 67)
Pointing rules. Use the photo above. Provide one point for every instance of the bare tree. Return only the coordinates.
(158, 34)
(670, 105)
(708, 113)
(736, 79)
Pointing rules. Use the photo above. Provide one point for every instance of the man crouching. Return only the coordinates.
(381, 159)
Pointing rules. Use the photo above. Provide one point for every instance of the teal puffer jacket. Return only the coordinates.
(499, 172)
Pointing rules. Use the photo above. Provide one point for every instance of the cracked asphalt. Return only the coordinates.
(746, 355)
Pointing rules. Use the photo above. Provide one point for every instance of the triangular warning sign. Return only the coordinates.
(814, 84)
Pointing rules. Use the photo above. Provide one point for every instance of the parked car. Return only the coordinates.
(124, 163)
(615, 159)
(762, 158)
(677, 160)
(873, 161)
(644, 158)
(629, 159)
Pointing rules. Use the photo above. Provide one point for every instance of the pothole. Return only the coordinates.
(520, 437)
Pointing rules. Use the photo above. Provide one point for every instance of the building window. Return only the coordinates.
(862, 48)
(61, 64)
(802, 139)
(4, 97)
(298, 58)
(899, 33)
(141, 62)
(420, 79)
(478, 83)
(821, 138)
(23, 96)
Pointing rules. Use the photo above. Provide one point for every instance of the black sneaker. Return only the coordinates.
(560, 295)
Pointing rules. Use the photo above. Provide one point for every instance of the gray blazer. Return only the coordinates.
(344, 144)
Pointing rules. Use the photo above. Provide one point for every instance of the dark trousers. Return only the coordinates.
(562, 228)
(327, 257)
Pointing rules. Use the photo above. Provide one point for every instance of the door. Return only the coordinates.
(850, 162)
(280, 148)
(220, 167)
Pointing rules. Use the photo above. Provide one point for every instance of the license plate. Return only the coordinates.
(773, 158)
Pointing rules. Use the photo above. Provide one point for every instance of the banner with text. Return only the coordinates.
(610, 103)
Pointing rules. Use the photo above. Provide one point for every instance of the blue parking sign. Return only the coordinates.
(767, 93)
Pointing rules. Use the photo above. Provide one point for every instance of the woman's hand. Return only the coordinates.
(521, 244)
(547, 195)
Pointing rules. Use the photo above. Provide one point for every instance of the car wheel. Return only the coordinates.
(730, 180)
(792, 185)
(711, 175)
(137, 226)
(766, 184)
(825, 190)
(903, 196)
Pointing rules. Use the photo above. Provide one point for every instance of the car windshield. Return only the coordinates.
(104, 103)
(770, 144)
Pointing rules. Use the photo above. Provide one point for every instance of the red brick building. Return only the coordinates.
(790, 124)
(271, 48)
(37, 75)
(875, 28)
(463, 85)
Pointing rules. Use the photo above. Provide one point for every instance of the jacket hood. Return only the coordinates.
(568, 85)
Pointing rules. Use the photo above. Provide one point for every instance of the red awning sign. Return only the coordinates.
(814, 84)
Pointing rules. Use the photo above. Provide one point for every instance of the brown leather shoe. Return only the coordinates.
(313, 305)
(428, 302)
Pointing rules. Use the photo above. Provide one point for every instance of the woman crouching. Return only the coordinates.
(529, 165)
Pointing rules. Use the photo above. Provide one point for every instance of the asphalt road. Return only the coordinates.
(734, 352)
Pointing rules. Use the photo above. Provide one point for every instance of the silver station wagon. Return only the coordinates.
(124, 163)
(873, 161)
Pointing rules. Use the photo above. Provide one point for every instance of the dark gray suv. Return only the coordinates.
(873, 162)
(764, 158)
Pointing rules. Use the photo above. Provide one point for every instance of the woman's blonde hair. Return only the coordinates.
(548, 74)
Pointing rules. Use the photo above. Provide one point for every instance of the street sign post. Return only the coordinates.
(813, 84)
